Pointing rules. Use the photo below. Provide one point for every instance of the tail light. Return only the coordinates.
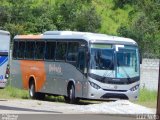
(7, 72)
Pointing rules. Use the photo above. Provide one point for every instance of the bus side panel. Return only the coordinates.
(3, 67)
(58, 76)
(33, 69)
(4, 57)
(15, 76)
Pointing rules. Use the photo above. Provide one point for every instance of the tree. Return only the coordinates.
(76, 15)
(145, 27)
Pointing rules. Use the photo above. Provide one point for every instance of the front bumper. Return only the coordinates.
(103, 94)
(3, 83)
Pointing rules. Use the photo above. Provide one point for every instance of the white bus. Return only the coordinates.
(76, 65)
(4, 57)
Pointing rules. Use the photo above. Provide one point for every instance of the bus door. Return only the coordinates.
(83, 69)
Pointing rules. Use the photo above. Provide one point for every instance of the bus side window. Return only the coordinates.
(21, 49)
(15, 49)
(50, 50)
(72, 51)
(39, 52)
(61, 50)
(30, 47)
(81, 59)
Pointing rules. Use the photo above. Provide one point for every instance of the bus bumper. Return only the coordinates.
(112, 95)
(3, 83)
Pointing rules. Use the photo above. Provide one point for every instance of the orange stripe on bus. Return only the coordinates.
(29, 36)
(35, 69)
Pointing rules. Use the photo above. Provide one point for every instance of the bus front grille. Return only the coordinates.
(114, 95)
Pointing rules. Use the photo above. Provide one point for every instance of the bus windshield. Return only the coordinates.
(114, 61)
(127, 62)
(102, 57)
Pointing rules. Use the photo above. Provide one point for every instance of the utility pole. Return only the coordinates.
(158, 96)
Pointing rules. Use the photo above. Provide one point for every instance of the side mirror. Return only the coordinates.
(85, 72)
(140, 57)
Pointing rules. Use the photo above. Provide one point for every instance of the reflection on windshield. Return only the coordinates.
(101, 59)
(127, 62)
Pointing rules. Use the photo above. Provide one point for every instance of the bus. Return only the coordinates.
(76, 65)
(4, 57)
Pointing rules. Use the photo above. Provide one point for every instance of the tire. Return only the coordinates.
(72, 94)
(70, 98)
(32, 92)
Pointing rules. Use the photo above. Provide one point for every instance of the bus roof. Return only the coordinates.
(4, 32)
(92, 37)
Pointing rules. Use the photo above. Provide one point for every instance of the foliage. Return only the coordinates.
(122, 3)
(138, 19)
(23, 16)
(144, 27)
(147, 98)
(10, 92)
(76, 15)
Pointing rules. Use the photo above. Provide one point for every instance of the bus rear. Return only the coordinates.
(4, 57)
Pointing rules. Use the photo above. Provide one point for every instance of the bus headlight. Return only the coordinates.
(135, 88)
(94, 85)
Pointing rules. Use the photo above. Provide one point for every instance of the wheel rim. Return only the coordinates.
(70, 95)
(31, 91)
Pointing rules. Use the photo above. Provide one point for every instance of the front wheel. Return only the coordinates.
(72, 98)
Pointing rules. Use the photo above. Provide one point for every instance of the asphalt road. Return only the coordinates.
(48, 110)
(66, 117)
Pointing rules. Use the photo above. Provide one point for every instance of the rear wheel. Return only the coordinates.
(32, 92)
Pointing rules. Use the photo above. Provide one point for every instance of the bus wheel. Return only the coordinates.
(72, 94)
(32, 92)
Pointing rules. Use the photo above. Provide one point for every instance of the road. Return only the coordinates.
(47, 110)
(69, 117)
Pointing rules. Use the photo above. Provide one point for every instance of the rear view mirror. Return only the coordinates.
(140, 57)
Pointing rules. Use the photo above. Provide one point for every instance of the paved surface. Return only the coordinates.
(69, 117)
(47, 107)
(46, 110)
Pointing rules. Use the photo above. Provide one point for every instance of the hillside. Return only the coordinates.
(111, 18)
(139, 20)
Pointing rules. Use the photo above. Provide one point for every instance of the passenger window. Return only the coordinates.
(21, 50)
(15, 49)
(81, 59)
(72, 51)
(39, 51)
(50, 50)
(61, 50)
(30, 47)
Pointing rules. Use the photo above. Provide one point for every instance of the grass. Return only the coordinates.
(147, 98)
(12, 92)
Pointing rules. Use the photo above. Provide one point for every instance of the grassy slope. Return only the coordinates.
(10, 93)
(147, 98)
